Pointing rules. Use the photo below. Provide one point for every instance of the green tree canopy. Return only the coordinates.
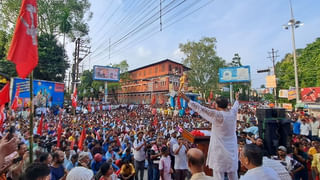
(201, 57)
(52, 65)
(55, 16)
(308, 60)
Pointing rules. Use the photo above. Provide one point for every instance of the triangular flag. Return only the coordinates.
(40, 125)
(14, 104)
(82, 138)
(2, 117)
(74, 98)
(4, 94)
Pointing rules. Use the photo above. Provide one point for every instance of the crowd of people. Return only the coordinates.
(146, 142)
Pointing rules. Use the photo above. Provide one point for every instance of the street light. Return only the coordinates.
(294, 24)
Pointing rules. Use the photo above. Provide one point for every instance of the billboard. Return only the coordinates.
(106, 73)
(46, 93)
(271, 81)
(292, 94)
(311, 94)
(234, 74)
(283, 93)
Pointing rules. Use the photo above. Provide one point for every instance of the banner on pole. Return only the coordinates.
(271, 81)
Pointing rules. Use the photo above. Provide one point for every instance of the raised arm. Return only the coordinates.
(208, 114)
(235, 106)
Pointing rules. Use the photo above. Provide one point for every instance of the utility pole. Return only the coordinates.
(273, 56)
(74, 65)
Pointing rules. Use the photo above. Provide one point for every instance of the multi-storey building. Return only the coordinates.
(153, 81)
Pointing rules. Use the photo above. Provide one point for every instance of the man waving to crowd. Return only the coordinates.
(223, 148)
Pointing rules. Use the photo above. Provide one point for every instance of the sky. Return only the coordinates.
(250, 28)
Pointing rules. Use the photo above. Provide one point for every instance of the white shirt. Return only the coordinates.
(277, 167)
(181, 158)
(201, 176)
(314, 128)
(304, 129)
(223, 148)
(261, 173)
(139, 155)
(173, 141)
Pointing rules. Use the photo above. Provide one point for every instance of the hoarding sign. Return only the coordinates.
(106, 73)
(234, 74)
(46, 93)
(311, 94)
(271, 81)
(283, 93)
(287, 106)
(291, 94)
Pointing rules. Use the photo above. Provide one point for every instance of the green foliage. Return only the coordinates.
(201, 57)
(52, 65)
(87, 82)
(268, 97)
(55, 16)
(308, 60)
(6, 67)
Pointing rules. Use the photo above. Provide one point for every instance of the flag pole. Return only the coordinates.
(31, 119)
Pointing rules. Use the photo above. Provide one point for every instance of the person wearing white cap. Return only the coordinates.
(80, 173)
(293, 166)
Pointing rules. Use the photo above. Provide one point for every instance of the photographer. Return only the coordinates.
(180, 153)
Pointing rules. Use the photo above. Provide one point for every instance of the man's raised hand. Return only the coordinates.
(237, 96)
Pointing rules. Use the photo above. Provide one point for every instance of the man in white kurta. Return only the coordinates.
(223, 149)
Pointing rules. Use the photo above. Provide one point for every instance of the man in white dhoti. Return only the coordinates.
(223, 148)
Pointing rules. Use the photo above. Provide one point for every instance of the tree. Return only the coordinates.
(55, 17)
(124, 76)
(201, 57)
(6, 67)
(243, 88)
(308, 60)
(87, 82)
(52, 65)
(236, 61)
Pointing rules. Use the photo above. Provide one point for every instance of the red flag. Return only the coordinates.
(155, 121)
(161, 100)
(4, 94)
(46, 126)
(153, 101)
(74, 98)
(2, 117)
(40, 125)
(14, 104)
(211, 95)
(178, 102)
(82, 138)
(72, 144)
(89, 107)
(59, 130)
(24, 45)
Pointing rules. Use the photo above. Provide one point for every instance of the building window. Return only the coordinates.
(170, 68)
(144, 72)
(163, 67)
(150, 71)
(156, 69)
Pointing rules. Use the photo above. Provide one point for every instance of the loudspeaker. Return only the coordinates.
(274, 129)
